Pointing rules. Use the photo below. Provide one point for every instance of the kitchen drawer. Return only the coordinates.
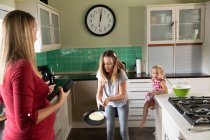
(57, 124)
(139, 117)
(58, 136)
(133, 81)
(140, 89)
(139, 111)
(136, 103)
(136, 95)
(139, 84)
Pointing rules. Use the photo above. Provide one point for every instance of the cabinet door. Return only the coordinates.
(45, 26)
(188, 59)
(160, 21)
(55, 28)
(163, 56)
(84, 100)
(65, 120)
(57, 125)
(190, 23)
(49, 28)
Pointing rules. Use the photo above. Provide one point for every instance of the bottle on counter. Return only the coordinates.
(138, 66)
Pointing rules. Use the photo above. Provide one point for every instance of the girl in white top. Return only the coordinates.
(111, 92)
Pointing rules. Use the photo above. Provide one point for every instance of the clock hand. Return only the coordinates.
(100, 18)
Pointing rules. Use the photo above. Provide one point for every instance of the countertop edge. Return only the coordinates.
(181, 123)
(131, 75)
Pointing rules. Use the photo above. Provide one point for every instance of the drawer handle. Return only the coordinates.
(138, 91)
(138, 82)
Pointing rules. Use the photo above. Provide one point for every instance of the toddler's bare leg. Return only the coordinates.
(145, 112)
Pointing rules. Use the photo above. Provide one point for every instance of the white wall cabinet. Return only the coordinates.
(48, 35)
(136, 89)
(172, 24)
(174, 32)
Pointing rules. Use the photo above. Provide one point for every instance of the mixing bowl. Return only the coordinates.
(181, 91)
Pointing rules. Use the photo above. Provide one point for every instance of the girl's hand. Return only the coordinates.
(107, 100)
(62, 96)
(99, 103)
(155, 92)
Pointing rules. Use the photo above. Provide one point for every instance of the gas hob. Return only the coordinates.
(196, 110)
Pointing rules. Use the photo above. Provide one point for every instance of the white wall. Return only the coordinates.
(10, 3)
(129, 28)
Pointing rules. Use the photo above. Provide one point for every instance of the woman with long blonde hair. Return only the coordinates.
(111, 93)
(29, 114)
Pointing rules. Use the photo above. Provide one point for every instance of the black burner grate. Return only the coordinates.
(196, 110)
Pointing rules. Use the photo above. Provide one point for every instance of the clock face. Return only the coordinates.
(100, 20)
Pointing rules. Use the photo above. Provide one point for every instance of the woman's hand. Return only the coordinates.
(62, 96)
(99, 103)
(3, 117)
(51, 87)
(105, 103)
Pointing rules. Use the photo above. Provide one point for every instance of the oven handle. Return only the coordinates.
(198, 129)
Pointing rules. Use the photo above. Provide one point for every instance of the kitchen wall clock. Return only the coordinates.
(100, 20)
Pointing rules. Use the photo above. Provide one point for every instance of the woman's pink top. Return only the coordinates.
(23, 93)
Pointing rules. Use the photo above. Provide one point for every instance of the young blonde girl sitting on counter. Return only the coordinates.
(159, 87)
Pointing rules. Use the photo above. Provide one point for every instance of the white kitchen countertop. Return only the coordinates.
(180, 122)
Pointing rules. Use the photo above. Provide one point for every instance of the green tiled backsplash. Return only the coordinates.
(85, 59)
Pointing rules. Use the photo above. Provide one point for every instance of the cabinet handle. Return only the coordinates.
(139, 91)
(139, 82)
(73, 94)
(172, 23)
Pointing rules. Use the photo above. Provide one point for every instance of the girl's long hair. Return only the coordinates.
(117, 66)
(17, 40)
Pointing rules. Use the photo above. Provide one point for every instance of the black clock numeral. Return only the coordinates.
(100, 30)
(91, 15)
(90, 20)
(95, 28)
(105, 29)
(95, 12)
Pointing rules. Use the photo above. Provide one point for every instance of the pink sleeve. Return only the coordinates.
(1, 100)
(23, 88)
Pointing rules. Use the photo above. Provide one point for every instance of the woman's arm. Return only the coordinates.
(120, 96)
(23, 83)
(99, 94)
(45, 112)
